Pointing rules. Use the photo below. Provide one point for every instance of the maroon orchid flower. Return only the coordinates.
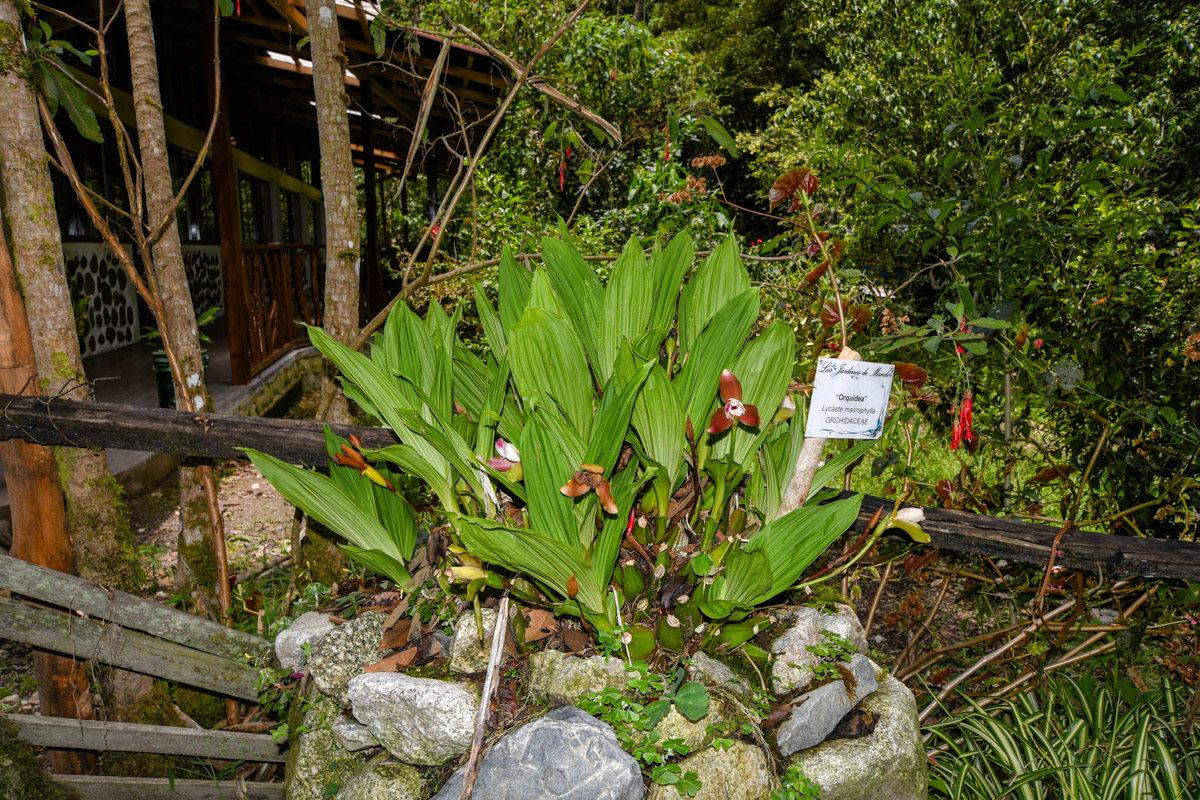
(590, 476)
(734, 410)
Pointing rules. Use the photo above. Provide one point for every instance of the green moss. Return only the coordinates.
(21, 777)
(61, 367)
(321, 560)
(98, 520)
(153, 708)
(201, 561)
(13, 59)
(206, 708)
(348, 255)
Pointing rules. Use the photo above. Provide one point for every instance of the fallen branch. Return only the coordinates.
(485, 702)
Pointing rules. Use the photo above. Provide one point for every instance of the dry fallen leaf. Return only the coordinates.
(395, 662)
(395, 636)
(541, 624)
(576, 641)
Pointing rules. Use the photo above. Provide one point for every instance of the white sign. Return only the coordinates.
(849, 399)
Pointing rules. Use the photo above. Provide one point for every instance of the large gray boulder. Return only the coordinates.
(818, 712)
(344, 652)
(559, 679)
(887, 764)
(793, 664)
(419, 720)
(565, 755)
(738, 773)
(468, 653)
(308, 629)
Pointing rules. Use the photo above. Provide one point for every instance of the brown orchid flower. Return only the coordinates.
(734, 410)
(350, 457)
(587, 478)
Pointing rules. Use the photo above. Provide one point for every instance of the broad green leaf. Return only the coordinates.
(547, 469)
(379, 562)
(670, 265)
(578, 289)
(692, 700)
(764, 370)
(748, 575)
(794, 541)
(70, 96)
(546, 560)
(658, 418)
(514, 289)
(714, 351)
(612, 419)
(549, 367)
(493, 329)
(627, 306)
(719, 280)
(324, 500)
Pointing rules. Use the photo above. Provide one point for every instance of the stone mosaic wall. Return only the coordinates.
(203, 265)
(110, 319)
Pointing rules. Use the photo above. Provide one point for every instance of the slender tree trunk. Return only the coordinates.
(39, 516)
(337, 185)
(200, 537)
(97, 522)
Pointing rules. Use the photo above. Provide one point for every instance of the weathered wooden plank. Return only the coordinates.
(77, 594)
(107, 643)
(124, 737)
(996, 537)
(157, 430)
(64, 422)
(103, 787)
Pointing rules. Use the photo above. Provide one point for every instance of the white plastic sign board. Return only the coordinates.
(849, 399)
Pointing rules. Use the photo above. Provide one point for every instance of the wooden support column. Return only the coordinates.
(39, 517)
(371, 281)
(229, 218)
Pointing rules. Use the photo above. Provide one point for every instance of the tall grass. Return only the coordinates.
(1069, 740)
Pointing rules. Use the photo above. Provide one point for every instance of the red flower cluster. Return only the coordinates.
(962, 423)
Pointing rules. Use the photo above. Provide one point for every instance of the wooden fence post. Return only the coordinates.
(39, 517)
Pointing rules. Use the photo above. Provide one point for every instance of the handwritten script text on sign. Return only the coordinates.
(849, 399)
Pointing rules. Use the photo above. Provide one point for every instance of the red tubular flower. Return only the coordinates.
(967, 408)
(587, 478)
(734, 410)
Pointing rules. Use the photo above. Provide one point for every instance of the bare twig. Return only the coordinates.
(887, 573)
(485, 702)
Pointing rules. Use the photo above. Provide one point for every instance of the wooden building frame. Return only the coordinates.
(257, 207)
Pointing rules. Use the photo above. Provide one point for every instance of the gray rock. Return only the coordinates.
(467, 653)
(793, 664)
(384, 781)
(316, 760)
(559, 679)
(739, 773)
(419, 720)
(565, 755)
(308, 629)
(819, 711)
(708, 670)
(343, 653)
(889, 764)
(352, 735)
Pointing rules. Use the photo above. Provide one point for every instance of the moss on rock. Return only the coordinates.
(21, 777)
(206, 708)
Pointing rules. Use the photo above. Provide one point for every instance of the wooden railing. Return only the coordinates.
(284, 285)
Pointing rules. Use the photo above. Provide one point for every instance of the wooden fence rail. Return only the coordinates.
(76, 424)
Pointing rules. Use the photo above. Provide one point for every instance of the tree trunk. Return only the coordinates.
(96, 518)
(38, 515)
(199, 535)
(338, 186)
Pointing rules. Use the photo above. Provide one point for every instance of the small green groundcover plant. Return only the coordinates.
(619, 453)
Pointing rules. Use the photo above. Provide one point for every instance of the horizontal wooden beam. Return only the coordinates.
(85, 597)
(77, 424)
(125, 737)
(103, 787)
(1029, 543)
(156, 430)
(88, 640)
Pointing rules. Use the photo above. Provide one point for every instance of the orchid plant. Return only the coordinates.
(574, 462)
